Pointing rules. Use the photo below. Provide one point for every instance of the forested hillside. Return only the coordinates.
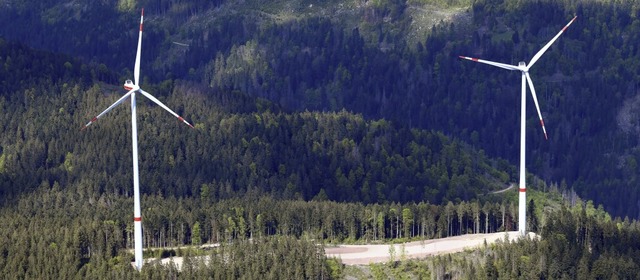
(239, 145)
(387, 59)
(316, 121)
(243, 172)
(55, 232)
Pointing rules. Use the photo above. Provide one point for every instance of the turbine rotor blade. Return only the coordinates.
(136, 67)
(123, 98)
(165, 107)
(546, 47)
(496, 64)
(535, 101)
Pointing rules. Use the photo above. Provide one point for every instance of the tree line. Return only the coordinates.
(62, 232)
(576, 243)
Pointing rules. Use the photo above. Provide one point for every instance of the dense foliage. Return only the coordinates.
(251, 148)
(357, 55)
(64, 196)
(66, 233)
(587, 85)
(278, 158)
(55, 233)
(577, 243)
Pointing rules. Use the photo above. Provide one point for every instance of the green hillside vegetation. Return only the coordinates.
(317, 122)
(66, 233)
(66, 192)
(385, 60)
(252, 148)
(56, 232)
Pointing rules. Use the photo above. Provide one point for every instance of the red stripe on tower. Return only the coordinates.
(523, 190)
(137, 219)
(141, 19)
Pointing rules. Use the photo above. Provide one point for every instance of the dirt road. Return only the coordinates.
(365, 254)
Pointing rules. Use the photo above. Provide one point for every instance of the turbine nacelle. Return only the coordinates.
(523, 66)
(129, 86)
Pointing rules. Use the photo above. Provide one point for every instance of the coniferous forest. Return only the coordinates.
(317, 122)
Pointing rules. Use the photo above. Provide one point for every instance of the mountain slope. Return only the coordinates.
(362, 57)
(240, 144)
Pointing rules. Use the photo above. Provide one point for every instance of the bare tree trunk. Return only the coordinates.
(503, 209)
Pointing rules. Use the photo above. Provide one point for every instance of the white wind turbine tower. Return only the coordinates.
(524, 69)
(134, 88)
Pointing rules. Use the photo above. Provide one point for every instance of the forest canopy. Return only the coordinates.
(382, 60)
(353, 121)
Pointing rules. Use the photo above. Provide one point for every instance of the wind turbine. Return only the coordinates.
(133, 88)
(524, 69)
